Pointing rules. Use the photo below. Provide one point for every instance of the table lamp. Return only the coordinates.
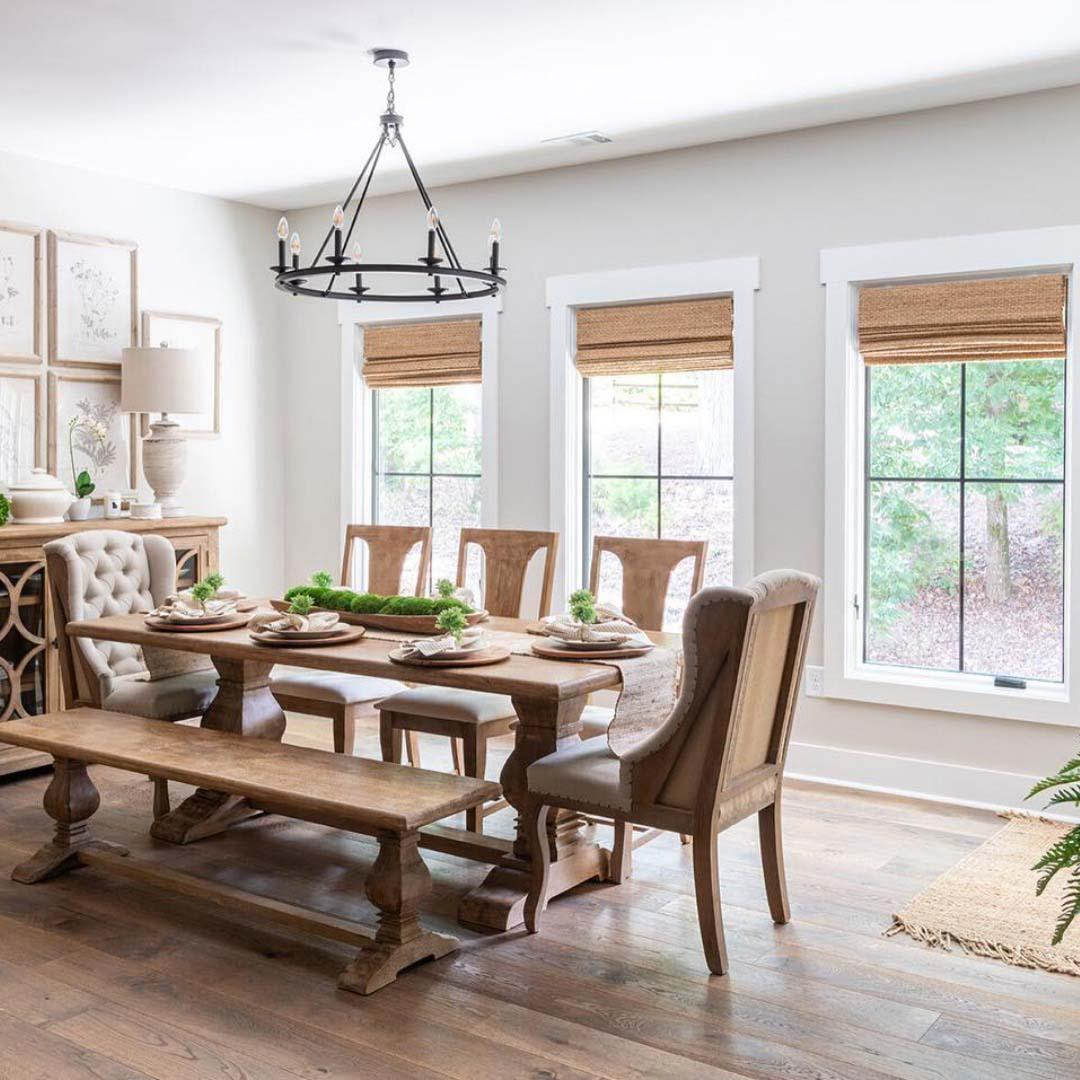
(162, 380)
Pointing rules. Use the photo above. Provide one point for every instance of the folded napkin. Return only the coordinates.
(224, 593)
(177, 609)
(611, 627)
(427, 647)
(284, 622)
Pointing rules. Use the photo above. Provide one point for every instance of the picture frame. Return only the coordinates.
(98, 397)
(21, 427)
(93, 299)
(21, 263)
(203, 334)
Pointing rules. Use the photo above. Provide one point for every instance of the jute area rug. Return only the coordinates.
(986, 904)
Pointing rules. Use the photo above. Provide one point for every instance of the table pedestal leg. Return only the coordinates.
(244, 705)
(499, 902)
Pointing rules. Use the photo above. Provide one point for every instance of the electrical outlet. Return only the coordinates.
(814, 681)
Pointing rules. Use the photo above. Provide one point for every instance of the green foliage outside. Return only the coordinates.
(1065, 853)
(452, 621)
(583, 606)
(1014, 420)
(372, 604)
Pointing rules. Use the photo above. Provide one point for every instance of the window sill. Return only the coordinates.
(968, 695)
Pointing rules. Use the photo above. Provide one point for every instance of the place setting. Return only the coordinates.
(458, 645)
(588, 631)
(300, 626)
(206, 606)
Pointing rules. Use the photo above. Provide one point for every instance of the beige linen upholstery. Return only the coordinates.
(109, 572)
(330, 686)
(718, 757)
(448, 703)
(595, 721)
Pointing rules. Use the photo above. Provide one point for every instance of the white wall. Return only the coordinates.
(200, 256)
(974, 168)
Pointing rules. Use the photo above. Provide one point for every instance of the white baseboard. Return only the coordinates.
(934, 781)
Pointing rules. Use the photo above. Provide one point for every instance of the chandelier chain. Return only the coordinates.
(390, 90)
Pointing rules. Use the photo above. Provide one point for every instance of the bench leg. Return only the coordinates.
(70, 800)
(398, 881)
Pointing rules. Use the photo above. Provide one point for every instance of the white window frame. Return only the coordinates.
(843, 271)
(738, 278)
(358, 402)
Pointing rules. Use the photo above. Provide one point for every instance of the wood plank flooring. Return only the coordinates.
(103, 978)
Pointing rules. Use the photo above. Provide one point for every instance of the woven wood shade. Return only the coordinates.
(1016, 318)
(428, 353)
(646, 339)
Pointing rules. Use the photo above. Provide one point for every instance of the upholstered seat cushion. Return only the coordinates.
(585, 772)
(595, 720)
(163, 699)
(330, 686)
(447, 703)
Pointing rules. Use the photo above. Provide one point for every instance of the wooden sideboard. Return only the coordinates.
(29, 664)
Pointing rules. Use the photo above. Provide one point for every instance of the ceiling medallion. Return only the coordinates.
(442, 278)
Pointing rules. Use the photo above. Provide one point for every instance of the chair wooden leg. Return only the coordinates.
(475, 752)
(707, 891)
(622, 851)
(772, 862)
(535, 816)
(412, 748)
(456, 753)
(345, 730)
(161, 798)
(390, 739)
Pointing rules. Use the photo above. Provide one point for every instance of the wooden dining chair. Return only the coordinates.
(469, 719)
(338, 697)
(648, 564)
(716, 759)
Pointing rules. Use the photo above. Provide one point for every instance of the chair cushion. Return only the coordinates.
(330, 686)
(164, 699)
(447, 703)
(587, 772)
(595, 720)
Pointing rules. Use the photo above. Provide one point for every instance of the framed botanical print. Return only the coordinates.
(20, 293)
(93, 299)
(202, 333)
(88, 431)
(20, 426)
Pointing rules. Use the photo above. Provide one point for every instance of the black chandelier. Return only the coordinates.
(470, 284)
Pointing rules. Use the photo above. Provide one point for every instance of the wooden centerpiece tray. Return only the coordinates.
(405, 624)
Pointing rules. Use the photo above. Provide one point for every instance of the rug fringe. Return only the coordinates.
(1044, 959)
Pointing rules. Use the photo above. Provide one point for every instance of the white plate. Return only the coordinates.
(588, 646)
(301, 635)
(198, 620)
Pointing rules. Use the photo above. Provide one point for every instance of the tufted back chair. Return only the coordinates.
(107, 572)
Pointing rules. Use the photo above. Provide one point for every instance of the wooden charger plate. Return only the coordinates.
(233, 622)
(492, 655)
(583, 656)
(408, 624)
(273, 641)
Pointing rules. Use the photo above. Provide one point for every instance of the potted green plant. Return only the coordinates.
(1065, 853)
(89, 435)
(583, 606)
(452, 621)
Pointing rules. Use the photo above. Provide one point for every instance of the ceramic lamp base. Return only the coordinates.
(164, 464)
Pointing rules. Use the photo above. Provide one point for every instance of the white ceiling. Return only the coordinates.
(275, 102)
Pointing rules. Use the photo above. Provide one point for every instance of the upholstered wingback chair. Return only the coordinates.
(97, 573)
(718, 757)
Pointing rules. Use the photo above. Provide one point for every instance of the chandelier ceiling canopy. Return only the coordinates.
(438, 275)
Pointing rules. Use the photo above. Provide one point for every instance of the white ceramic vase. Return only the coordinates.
(79, 510)
(39, 500)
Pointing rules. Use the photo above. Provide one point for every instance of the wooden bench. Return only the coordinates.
(376, 798)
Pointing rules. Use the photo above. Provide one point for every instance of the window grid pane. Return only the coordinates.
(426, 467)
(992, 434)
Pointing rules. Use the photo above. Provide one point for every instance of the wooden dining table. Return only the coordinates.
(548, 697)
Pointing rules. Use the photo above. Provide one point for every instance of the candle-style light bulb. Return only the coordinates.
(357, 251)
(283, 228)
(282, 236)
(338, 217)
(294, 247)
(432, 225)
(495, 236)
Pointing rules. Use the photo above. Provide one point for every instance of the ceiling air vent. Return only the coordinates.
(579, 138)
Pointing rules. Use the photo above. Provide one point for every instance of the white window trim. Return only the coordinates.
(357, 401)
(843, 270)
(738, 278)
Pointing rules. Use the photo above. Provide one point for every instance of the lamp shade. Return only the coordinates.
(162, 380)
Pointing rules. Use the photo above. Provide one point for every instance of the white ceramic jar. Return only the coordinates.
(40, 499)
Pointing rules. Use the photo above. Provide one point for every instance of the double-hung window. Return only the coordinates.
(426, 455)
(947, 537)
(657, 422)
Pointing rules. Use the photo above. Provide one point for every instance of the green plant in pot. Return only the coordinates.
(452, 621)
(1064, 854)
(88, 434)
(583, 606)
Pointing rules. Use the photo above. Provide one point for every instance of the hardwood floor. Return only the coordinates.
(100, 978)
